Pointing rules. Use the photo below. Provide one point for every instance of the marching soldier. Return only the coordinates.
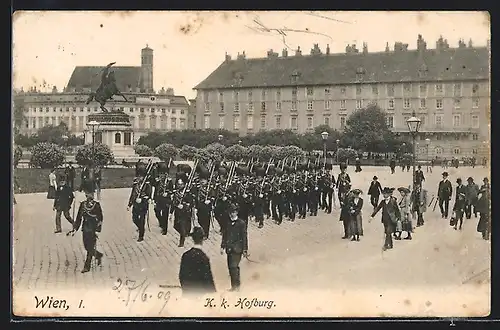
(245, 204)
(483, 205)
(139, 201)
(183, 211)
(302, 195)
(90, 218)
(162, 196)
(277, 208)
(314, 196)
(259, 202)
(204, 207)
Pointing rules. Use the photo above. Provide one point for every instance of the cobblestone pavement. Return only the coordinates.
(307, 253)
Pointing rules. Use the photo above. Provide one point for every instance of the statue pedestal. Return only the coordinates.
(115, 131)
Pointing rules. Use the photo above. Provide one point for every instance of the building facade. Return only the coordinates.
(149, 110)
(447, 88)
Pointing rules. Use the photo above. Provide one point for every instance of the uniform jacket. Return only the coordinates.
(89, 216)
(64, 198)
(375, 188)
(342, 179)
(445, 190)
(235, 238)
(195, 274)
(139, 199)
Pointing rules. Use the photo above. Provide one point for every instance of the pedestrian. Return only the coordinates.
(51, 193)
(471, 198)
(87, 179)
(444, 195)
(358, 165)
(483, 207)
(90, 218)
(419, 204)
(70, 174)
(62, 203)
(419, 176)
(405, 210)
(459, 206)
(195, 273)
(235, 244)
(390, 215)
(356, 220)
(392, 165)
(345, 211)
(139, 201)
(374, 192)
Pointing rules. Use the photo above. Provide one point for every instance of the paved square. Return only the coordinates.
(306, 254)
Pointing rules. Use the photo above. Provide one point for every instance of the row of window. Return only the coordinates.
(72, 124)
(95, 109)
(407, 104)
(359, 89)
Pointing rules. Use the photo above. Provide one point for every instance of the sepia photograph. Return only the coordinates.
(173, 164)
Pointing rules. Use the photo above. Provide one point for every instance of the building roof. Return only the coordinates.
(402, 65)
(84, 77)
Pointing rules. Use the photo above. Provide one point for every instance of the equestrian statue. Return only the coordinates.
(107, 89)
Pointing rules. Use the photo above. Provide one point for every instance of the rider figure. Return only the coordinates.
(107, 88)
(106, 78)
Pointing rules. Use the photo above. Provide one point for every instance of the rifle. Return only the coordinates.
(435, 204)
(432, 200)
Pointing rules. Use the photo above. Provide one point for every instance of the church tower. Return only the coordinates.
(147, 70)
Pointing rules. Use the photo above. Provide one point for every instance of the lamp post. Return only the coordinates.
(220, 137)
(94, 125)
(324, 136)
(413, 126)
(337, 150)
(65, 145)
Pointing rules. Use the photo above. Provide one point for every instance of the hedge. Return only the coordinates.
(36, 180)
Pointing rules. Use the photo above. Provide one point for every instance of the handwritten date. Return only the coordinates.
(141, 292)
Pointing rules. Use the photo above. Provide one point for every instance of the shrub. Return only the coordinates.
(165, 151)
(215, 151)
(47, 155)
(235, 152)
(143, 150)
(18, 154)
(100, 155)
(188, 152)
(344, 154)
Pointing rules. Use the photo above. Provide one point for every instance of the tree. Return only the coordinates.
(188, 152)
(47, 155)
(166, 151)
(214, 151)
(235, 152)
(143, 150)
(26, 141)
(99, 154)
(366, 130)
(18, 154)
(152, 140)
(53, 134)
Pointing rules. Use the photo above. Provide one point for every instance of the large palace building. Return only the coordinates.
(149, 111)
(447, 88)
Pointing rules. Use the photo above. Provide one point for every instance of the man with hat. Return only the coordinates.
(483, 207)
(374, 192)
(195, 273)
(139, 201)
(459, 206)
(235, 244)
(90, 217)
(471, 198)
(419, 175)
(392, 165)
(390, 215)
(444, 195)
(419, 203)
(70, 174)
(62, 203)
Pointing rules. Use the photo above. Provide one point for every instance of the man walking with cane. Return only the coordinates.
(62, 204)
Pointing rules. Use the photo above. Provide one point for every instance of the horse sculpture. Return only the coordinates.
(107, 89)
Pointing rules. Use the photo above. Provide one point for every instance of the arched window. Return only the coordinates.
(439, 151)
(118, 138)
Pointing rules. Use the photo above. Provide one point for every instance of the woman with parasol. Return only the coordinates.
(405, 209)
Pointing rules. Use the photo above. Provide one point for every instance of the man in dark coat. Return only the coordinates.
(392, 165)
(460, 202)
(90, 218)
(483, 207)
(235, 244)
(390, 215)
(87, 180)
(444, 195)
(62, 204)
(471, 198)
(195, 273)
(70, 174)
(345, 216)
(419, 176)
(374, 192)
(139, 201)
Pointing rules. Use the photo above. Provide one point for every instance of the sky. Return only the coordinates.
(188, 46)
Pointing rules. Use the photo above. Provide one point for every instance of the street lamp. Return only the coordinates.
(428, 142)
(324, 136)
(65, 146)
(337, 142)
(94, 125)
(413, 126)
(220, 137)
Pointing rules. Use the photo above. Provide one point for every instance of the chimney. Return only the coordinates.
(421, 44)
(271, 54)
(228, 58)
(285, 52)
(354, 49)
(365, 48)
(241, 56)
(315, 50)
(298, 52)
(387, 47)
(461, 43)
(327, 49)
(470, 43)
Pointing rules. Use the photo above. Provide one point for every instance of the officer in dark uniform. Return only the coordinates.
(139, 201)
(303, 193)
(235, 244)
(90, 218)
(277, 203)
(460, 203)
(86, 180)
(183, 211)
(314, 195)
(204, 206)
(162, 198)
